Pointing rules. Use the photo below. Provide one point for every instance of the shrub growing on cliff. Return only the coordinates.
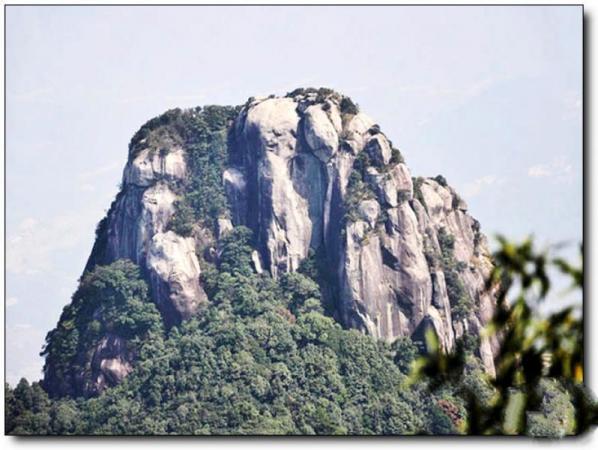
(396, 157)
(183, 218)
(348, 107)
(405, 353)
(203, 132)
(207, 155)
(441, 180)
(417, 191)
(460, 300)
(357, 189)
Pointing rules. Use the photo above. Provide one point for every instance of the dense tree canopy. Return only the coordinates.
(262, 358)
(111, 300)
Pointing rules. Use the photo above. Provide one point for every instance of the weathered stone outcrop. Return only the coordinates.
(285, 187)
(306, 172)
(136, 229)
(381, 242)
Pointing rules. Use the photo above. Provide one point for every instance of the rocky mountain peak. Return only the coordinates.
(312, 177)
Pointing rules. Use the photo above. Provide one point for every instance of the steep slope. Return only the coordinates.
(310, 171)
(313, 178)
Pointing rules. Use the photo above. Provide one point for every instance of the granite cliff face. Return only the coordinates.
(313, 173)
(310, 175)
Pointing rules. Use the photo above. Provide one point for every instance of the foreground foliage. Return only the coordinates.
(538, 388)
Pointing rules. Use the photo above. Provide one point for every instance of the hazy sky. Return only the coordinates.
(490, 97)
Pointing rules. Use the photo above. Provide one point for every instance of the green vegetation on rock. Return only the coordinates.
(204, 133)
(461, 302)
(111, 301)
(261, 358)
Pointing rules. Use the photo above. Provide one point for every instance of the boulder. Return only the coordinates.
(174, 274)
(152, 164)
(320, 133)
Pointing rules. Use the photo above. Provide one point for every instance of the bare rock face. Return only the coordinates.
(320, 133)
(151, 164)
(379, 150)
(356, 131)
(283, 186)
(110, 364)
(298, 156)
(137, 230)
(174, 274)
(235, 187)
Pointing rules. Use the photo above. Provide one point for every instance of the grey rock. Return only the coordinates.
(369, 211)
(137, 226)
(235, 187)
(256, 260)
(223, 226)
(382, 261)
(111, 362)
(356, 132)
(403, 180)
(152, 164)
(320, 133)
(393, 186)
(175, 274)
(287, 181)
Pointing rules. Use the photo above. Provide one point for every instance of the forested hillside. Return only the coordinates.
(274, 268)
(261, 358)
